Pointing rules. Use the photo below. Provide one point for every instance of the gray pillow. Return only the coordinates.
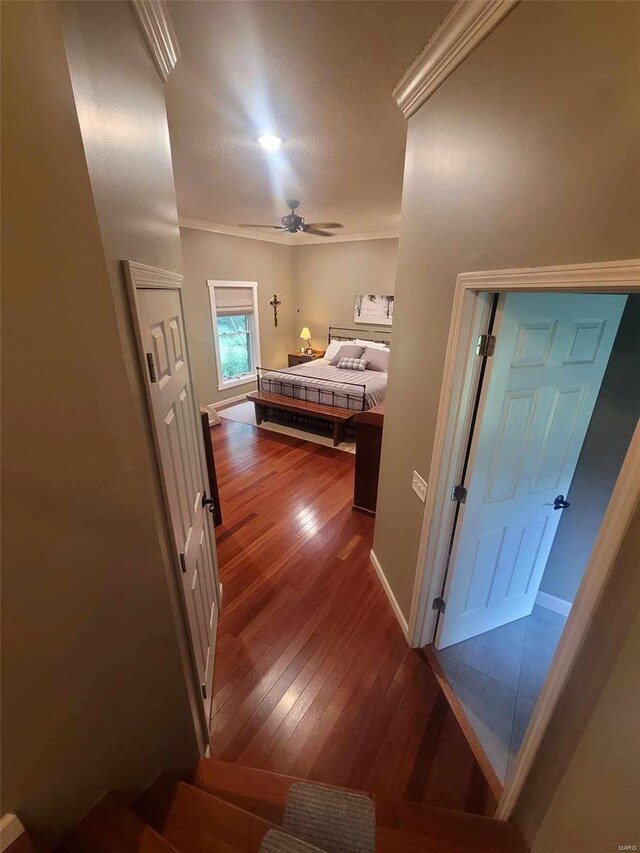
(378, 359)
(347, 351)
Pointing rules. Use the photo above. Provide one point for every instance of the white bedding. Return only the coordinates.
(320, 382)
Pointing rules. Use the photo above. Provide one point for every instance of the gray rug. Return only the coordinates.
(280, 842)
(333, 820)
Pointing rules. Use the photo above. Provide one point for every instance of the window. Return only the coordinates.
(234, 312)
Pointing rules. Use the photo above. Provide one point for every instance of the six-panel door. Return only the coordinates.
(176, 427)
(542, 384)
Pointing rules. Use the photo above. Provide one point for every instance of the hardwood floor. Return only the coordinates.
(313, 675)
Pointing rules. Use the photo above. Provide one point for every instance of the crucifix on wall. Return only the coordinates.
(275, 303)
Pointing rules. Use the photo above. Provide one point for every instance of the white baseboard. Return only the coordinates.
(392, 599)
(552, 602)
(11, 828)
(228, 401)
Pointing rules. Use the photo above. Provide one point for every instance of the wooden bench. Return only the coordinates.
(334, 414)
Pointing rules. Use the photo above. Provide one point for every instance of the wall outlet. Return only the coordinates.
(419, 486)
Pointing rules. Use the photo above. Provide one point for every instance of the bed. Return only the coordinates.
(320, 392)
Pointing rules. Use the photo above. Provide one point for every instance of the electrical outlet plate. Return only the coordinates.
(419, 486)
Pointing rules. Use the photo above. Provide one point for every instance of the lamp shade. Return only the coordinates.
(305, 334)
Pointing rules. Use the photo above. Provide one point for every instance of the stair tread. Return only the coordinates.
(264, 793)
(110, 827)
(194, 820)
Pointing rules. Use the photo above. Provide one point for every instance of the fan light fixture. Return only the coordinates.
(269, 141)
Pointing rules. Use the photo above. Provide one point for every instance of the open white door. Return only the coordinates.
(538, 396)
(160, 326)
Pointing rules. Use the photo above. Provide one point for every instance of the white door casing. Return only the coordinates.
(159, 317)
(537, 400)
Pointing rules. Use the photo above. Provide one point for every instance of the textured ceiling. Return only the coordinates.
(321, 75)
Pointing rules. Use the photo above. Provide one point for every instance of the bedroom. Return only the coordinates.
(317, 287)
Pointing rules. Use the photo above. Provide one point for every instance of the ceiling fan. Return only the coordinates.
(294, 223)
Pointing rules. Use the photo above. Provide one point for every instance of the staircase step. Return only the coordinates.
(258, 791)
(398, 822)
(195, 821)
(110, 827)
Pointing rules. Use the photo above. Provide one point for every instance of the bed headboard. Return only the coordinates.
(338, 333)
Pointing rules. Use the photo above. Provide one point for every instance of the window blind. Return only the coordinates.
(234, 300)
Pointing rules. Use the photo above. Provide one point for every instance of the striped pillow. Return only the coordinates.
(352, 364)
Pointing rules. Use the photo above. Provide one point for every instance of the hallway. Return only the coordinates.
(313, 677)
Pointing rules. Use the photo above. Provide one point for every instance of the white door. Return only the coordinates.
(161, 334)
(539, 392)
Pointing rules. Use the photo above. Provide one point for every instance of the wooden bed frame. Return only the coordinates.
(307, 411)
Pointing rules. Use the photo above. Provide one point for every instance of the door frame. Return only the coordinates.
(471, 305)
(141, 276)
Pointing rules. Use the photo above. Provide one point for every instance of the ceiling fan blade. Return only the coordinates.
(319, 232)
(323, 225)
(252, 225)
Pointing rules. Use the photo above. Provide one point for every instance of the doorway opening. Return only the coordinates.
(553, 409)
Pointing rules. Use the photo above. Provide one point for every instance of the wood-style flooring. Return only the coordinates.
(313, 676)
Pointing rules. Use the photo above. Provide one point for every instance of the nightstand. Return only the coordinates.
(302, 357)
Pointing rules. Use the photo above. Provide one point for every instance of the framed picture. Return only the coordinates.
(373, 308)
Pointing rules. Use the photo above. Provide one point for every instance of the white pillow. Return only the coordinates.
(334, 346)
(372, 344)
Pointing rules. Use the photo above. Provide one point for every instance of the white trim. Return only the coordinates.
(254, 333)
(11, 829)
(392, 599)
(552, 602)
(228, 401)
(284, 238)
(225, 384)
(466, 25)
(144, 276)
(449, 444)
(157, 29)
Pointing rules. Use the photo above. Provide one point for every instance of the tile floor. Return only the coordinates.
(497, 676)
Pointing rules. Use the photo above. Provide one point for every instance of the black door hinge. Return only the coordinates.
(459, 494)
(183, 564)
(152, 368)
(438, 604)
(486, 345)
(203, 687)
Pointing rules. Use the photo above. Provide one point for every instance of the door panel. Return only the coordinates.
(539, 392)
(177, 425)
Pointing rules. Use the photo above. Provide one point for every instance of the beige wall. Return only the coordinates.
(528, 155)
(329, 277)
(614, 419)
(219, 256)
(583, 791)
(93, 688)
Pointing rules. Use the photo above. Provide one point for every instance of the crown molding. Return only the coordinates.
(283, 239)
(466, 25)
(157, 29)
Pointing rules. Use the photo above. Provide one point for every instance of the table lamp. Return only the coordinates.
(305, 335)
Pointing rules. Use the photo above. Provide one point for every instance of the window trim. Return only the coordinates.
(254, 331)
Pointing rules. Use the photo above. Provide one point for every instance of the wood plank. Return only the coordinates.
(195, 821)
(266, 794)
(110, 827)
(313, 675)
(458, 711)
(22, 844)
(288, 404)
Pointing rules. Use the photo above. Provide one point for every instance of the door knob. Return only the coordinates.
(560, 502)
